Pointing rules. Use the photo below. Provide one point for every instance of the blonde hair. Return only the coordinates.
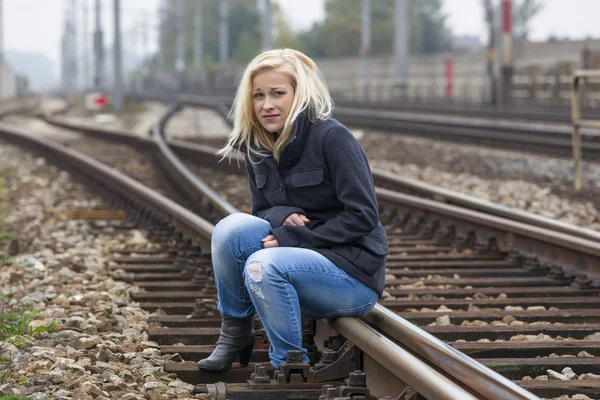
(310, 93)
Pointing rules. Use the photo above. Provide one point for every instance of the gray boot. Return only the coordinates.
(237, 338)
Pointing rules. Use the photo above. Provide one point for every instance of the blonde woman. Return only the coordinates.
(314, 246)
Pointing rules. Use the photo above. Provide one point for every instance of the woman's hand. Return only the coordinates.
(270, 241)
(296, 219)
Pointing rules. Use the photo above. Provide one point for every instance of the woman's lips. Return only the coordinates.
(271, 117)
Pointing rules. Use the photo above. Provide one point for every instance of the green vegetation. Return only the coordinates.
(14, 398)
(338, 35)
(1, 201)
(6, 237)
(15, 320)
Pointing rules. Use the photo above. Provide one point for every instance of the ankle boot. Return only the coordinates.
(237, 338)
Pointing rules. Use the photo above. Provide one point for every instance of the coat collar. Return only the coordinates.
(292, 152)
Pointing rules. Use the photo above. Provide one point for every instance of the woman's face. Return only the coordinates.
(273, 96)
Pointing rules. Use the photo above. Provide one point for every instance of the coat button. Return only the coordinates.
(288, 163)
(280, 188)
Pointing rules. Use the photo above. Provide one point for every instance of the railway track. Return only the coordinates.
(507, 133)
(556, 114)
(439, 274)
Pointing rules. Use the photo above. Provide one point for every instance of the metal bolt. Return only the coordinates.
(324, 391)
(332, 393)
(261, 375)
(357, 379)
(294, 356)
(328, 356)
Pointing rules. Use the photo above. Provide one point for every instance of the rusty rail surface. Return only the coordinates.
(545, 242)
(392, 181)
(508, 134)
(423, 378)
(494, 387)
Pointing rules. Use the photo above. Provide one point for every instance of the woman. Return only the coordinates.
(314, 246)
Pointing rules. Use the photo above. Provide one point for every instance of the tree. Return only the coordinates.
(244, 31)
(523, 14)
(339, 34)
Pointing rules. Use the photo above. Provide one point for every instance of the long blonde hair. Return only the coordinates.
(310, 93)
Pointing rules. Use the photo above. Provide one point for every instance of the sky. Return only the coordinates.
(572, 18)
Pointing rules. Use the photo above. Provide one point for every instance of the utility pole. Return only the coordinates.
(145, 52)
(507, 53)
(180, 44)
(223, 40)
(98, 49)
(1, 47)
(162, 34)
(118, 67)
(75, 50)
(198, 43)
(267, 27)
(366, 46)
(84, 27)
(491, 52)
(401, 45)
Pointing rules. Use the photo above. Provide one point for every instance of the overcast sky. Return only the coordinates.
(36, 25)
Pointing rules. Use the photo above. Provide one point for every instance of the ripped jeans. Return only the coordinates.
(282, 284)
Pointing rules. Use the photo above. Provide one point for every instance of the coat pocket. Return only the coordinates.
(375, 241)
(306, 178)
(363, 259)
(261, 180)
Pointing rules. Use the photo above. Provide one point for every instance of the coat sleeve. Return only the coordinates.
(261, 207)
(354, 188)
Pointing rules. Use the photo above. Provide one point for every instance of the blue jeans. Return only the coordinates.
(281, 284)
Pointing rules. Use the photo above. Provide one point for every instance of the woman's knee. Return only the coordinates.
(264, 264)
(238, 224)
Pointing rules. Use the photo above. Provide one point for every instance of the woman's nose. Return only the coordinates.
(268, 104)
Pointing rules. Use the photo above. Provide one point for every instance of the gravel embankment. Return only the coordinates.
(93, 341)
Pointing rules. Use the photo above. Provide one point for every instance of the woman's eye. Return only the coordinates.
(279, 93)
(257, 95)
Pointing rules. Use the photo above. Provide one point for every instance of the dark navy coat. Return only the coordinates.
(324, 174)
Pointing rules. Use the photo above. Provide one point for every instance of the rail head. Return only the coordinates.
(190, 182)
(184, 219)
(424, 379)
(474, 203)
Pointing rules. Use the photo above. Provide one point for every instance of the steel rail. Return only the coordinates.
(421, 377)
(534, 232)
(482, 379)
(185, 220)
(189, 182)
(474, 203)
(522, 112)
(393, 358)
(514, 136)
(424, 379)
(440, 193)
(23, 106)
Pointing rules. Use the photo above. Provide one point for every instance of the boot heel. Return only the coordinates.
(245, 354)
